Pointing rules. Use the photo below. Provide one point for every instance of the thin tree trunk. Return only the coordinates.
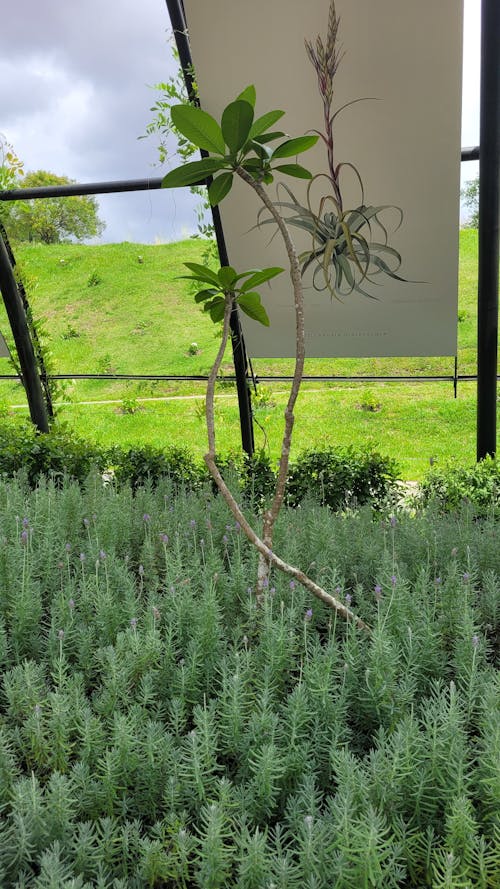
(266, 556)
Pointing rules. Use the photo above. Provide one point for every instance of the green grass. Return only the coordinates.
(139, 318)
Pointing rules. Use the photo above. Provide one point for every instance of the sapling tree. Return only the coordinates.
(242, 146)
(343, 249)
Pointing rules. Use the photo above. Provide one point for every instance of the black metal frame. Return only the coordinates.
(489, 229)
(488, 154)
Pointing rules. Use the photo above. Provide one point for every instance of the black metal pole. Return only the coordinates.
(178, 20)
(489, 230)
(27, 361)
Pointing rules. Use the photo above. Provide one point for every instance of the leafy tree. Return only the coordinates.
(52, 220)
(470, 197)
(11, 168)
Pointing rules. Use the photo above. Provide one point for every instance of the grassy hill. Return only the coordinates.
(121, 308)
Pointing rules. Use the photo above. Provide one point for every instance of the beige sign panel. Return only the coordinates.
(405, 58)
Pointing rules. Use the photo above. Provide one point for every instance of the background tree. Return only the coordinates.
(11, 169)
(53, 220)
(470, 197)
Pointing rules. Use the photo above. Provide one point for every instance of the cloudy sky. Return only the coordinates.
(75, 94)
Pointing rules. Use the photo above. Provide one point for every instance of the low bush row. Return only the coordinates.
(333, 477)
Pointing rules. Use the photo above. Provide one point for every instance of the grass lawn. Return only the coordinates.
(121, 308)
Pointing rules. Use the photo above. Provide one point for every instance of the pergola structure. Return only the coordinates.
(488, 154)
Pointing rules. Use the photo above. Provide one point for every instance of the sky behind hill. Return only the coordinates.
(76, 92)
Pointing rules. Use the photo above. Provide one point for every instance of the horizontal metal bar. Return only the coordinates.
(470, 154)
(59, 191)
(259, 378)
(121, 185)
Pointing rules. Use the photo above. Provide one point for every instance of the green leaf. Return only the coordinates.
(248, 95)
(190, 174)
(227, 277)
(198, 127)
(216, 309)
(203, 273)
(260, 276)
(268, 137)
(263, 123)
(219, 188)
(251, 305)
(294, 170)
(203, 295)
(295, 146)
(236, 122)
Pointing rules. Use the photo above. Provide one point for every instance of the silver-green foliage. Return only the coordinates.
(158, 727)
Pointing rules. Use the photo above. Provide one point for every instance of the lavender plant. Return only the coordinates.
(164, 730)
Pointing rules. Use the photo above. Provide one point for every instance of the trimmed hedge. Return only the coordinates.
(335, 477)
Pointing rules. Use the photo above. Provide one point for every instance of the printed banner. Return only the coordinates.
(398, 147)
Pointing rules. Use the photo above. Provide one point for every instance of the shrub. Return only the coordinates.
(341, 477)
(58, 453)
(456, 486)
(139, 465)
(334, 477)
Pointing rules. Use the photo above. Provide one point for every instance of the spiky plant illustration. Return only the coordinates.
(350, 247)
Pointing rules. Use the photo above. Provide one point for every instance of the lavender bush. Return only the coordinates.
(159, 727)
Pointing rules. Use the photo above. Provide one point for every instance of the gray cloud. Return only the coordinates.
(75, 94)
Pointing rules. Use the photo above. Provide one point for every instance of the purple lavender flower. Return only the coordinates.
(378, 592)
(348, 599)
(133, 622)
(86, 522)
(164, 539)
(466, 577)
(225, 538)
(394, 580)
(141, 570)
(146, 517)
(68, 547)
(82, 557)
(102, 555)
(26, 522)
(37, 710)
(71, 604)
(237, 526)
(292, 586)
(60, 635)
(308, 615)
(24, 537)
(475, 640)
(393, 521)
(193, 523)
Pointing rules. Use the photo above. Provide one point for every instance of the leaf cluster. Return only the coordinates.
(223, 284)
(240, 141)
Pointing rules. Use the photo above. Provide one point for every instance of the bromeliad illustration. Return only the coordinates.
(350, 247)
